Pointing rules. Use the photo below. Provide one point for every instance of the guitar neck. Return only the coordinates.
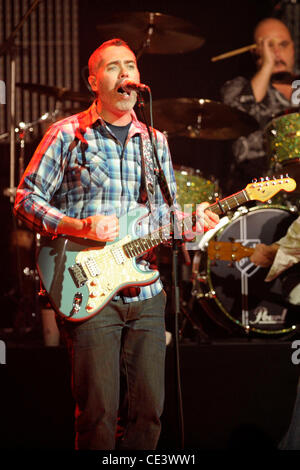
(229, 203)
(142, 245)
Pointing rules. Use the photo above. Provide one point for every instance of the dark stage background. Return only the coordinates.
(237, 392)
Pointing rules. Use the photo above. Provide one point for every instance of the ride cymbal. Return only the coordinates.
(152, 33)
(201, 119)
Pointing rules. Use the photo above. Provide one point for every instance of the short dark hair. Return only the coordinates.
(95, 58)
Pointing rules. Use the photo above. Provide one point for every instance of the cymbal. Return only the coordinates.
(152, 33)
(201, 119)
(60, 94)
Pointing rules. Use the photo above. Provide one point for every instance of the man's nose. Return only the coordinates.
(276, 50)
(123, 72)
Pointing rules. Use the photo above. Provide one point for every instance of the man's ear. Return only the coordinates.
(93, 82)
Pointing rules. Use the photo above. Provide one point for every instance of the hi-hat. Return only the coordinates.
(201, 119)
(152, 33)
(60, 94)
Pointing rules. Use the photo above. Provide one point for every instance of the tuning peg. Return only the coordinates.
(261, 180)
(254, 180)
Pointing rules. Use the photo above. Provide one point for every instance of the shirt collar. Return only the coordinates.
(91, 116)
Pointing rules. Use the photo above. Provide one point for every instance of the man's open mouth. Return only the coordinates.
(122, 92)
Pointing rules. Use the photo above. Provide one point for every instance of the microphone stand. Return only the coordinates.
(175, 249)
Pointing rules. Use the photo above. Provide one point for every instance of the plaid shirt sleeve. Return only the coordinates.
(41, 179)
(47, 193)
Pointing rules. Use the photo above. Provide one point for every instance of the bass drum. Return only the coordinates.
(238, 288)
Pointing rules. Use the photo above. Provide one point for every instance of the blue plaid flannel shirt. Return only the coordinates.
(80, 169)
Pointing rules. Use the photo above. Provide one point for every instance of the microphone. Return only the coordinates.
(128, 86)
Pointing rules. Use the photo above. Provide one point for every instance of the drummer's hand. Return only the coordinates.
(264, 255)
(265, 50)
(205, 219)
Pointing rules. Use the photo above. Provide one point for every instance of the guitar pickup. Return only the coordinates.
(78, 274)
(92, 266)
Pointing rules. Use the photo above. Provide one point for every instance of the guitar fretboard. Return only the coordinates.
(142, 245)
(229, 203)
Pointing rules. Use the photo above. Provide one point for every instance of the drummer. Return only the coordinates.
(263, 96)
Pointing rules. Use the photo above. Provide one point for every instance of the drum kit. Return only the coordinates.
(223, 281)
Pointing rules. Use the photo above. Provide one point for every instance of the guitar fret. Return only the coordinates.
(142, 243)
(128, 251)
(245, 195)
(147, 243)
(135, 247)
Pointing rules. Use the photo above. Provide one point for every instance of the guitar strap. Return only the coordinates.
(151, 173)
(148, 176)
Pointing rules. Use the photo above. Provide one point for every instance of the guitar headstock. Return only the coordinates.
(227, 251)
(265, 189)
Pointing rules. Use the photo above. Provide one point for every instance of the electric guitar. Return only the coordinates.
(82, 276)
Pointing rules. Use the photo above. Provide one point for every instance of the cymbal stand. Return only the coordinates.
(23, 127)
(10, 48)
(147, 41)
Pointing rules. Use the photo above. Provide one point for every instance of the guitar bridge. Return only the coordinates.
(78, 274)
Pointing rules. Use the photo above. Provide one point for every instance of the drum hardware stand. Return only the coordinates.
(195, 130)
(9, 47)
(201, 291)
(147, 41)
(204, 338)
(245, 311)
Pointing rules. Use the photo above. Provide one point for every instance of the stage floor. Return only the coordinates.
(236, 394)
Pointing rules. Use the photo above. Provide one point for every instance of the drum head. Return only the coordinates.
(241, 292)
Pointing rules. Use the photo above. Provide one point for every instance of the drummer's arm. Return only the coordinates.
(261, 79)
(260, 83)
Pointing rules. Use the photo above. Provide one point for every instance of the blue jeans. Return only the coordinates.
(128, 337)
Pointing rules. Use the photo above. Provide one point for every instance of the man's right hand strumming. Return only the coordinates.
(104, 228)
